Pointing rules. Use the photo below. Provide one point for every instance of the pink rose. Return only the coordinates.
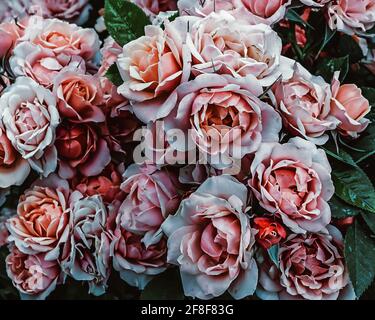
(293, 181)
(351, 16)
(303, 102)
(13, 168)
(42, 221)
(152, 66)
(33, 276)
(349, 106)
(154, 7)
(226, 118)
(211, 241)
(316, 3)
(80, 147)
(110, 51)
(29, 115)
(9, 9)
(10, 33)
(222, 45)
(78, 96)
(152, 195)
(312, 267)
(245, 11)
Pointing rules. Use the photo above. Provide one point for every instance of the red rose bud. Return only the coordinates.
(269, 233)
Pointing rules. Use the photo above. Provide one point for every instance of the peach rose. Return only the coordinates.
(293, 181)
(351, 16)
(349, 106)
(245, 11)
(80, 147)
(42, 221)
(221, 44)
(211, 241)
(152, 66)
(29, 115)
(13, 168)
(303, 102)
(33, 276)
(78, 96)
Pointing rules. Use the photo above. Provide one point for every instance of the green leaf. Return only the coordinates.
(365, 144)
(370, 220)
(328, 35)
(293, 16)
(360, 257)
(273, 253)
(114, 75)
(124, 20)
(328, 66)
(166, 286)
(340, 155)
(348, 46)
(354, 187)
(369, 94)
(340, 209)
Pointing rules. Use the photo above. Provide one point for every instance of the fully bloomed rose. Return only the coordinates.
(211, 241)
(152, 196)
(88, 258)
(152, 66)
(351, 16)
(312, 267)
(350, 107)
(225, 117)
(245, 11)
(33, 276)
(13, 168)
(29, 115)
(42, 221)
(78, 96)
(221, 44)
(81, 148)
(293, 181)
(303, 102)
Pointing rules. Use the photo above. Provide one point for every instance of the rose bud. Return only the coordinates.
(270, 232)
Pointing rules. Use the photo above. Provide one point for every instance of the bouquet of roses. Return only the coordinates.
(191, 148)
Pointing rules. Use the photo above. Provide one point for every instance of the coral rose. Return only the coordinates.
(303, 102)
(270, 232)
(349, 106)
(293, 180)
(211, 240)
(42, 221)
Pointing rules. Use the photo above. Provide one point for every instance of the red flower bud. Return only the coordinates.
(269, 233)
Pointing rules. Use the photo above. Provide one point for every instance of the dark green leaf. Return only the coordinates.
(365, 144)
(370, 220)
(369, 94)
(340, 154)
(360, 257)
(166, 286)
(340, 209)
(124, 20)
(273, 253)
(354, 187)
(114, 75)
(292, 15)
(347, 46)
(328, 35)
(328, 66)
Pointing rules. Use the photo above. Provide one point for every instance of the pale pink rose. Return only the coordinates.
(10, 33)
(78, 96)
(349, 106)
(33, 276)
(245, 11)
(154, 7)
(81, 148)
(225, 117)
(13, 168)
(293, 181)
(136, 262)
(152, 195)
(110, 51)
(6, 42)
(42, 64)
(11, 9)
(303, 102)
(29, 115)
(152, 66)
(62, 37)
(42, 221)
(88, 256)
(351, 16)
(211, 241)
(316, 3)
(312, 267)
(221, 44)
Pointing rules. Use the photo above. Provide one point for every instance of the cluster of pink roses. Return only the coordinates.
(206, 72)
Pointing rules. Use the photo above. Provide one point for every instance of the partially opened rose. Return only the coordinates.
(350, 107)
(153, 8)
(270, 231)
(293, 181)
(221, 44)
(33, 276)
(211, 240)
(42, 221)
(30, 117)
(303, 101)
